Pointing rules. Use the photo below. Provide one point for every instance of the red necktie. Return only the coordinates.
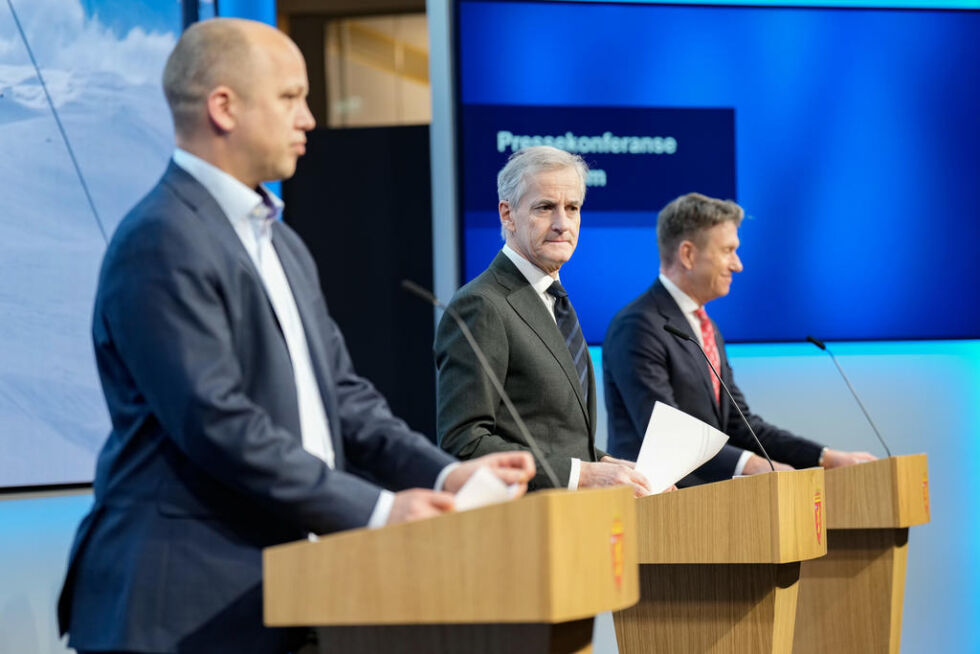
(710, 348)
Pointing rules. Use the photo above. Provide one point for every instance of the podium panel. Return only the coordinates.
(851, 600)
(720, 564)
(534, 571)
(573, 637)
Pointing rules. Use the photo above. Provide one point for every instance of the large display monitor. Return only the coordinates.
(849, 135)
(84, 132)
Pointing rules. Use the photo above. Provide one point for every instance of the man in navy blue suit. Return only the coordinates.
(235, 409)
(642, 363)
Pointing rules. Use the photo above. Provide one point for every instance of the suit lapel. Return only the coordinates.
(525, 301)
(195, 196)
(672, 314)
(304, 296)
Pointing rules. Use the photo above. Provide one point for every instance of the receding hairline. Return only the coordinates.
(218, 52)
(246, 29)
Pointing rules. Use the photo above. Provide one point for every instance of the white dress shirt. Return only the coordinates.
(252, 217)
(688, 306)
(541, 281)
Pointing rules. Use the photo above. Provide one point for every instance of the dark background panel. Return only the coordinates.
(361, 201)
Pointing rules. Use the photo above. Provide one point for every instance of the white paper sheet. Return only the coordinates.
(675, 444)
(482, 488)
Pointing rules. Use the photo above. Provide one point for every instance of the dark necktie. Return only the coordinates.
(572, 332)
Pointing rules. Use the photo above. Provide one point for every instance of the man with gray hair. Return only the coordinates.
(523, 319)
(642, 363)
(238, 421)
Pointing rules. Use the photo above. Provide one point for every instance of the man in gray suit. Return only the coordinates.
(522, 317)
(237, 416)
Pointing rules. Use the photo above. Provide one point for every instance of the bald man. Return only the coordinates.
(236, 413)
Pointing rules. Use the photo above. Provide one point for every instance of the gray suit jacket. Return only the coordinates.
(529, 355)
(205, 465)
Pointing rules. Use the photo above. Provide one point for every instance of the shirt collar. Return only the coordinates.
(237, 201)
(683, 300)
(537, 278)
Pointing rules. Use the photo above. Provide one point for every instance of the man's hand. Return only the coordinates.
(632, 465)
(594, 475)
(515, 467)
(837, 458)
(757, 464)
(622, 462)
(418, 503)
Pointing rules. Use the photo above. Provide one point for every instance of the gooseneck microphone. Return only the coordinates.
(823, 346)
(423, 293)
(681, 335)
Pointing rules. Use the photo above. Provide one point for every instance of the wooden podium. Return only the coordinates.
(720, 564)
(851, 600)
(522, 576)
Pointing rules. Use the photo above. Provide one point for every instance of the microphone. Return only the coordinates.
(423, 293)
(681, 335)
(823, 346)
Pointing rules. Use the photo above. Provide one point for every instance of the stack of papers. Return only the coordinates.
(675, 444)
(483, 488)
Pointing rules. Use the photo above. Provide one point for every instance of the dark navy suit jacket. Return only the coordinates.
(642, 363)
(205, 466)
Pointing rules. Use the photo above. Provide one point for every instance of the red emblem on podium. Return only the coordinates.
(925, 491)
(616, 550)
(818, 514)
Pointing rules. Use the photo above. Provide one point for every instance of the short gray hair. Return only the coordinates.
(687, 218)
(513, 178)
(209, 53)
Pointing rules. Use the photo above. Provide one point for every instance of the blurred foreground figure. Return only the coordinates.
(237, 417)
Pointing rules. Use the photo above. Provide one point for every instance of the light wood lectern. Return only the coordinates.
(851, 600)
(522, 576)
(720, 564)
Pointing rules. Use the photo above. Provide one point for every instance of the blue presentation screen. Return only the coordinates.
(850, 136)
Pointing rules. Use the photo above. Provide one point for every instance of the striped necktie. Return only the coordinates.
(572, 332)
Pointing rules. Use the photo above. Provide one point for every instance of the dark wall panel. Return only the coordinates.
(361, 201)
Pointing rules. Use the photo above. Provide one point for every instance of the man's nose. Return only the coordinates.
(736, 263)
(306, 120)
(561, 220)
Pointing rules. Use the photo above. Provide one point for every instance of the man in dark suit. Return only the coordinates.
(642, 363)
(235, 408)
(523, 320)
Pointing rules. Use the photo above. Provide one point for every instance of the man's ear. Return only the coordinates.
(506, 218)
(221, 105)
(686, 253)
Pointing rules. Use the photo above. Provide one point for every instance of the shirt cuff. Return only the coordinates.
(574, 474)
(441, 479)
(742, 460)
(382, 509)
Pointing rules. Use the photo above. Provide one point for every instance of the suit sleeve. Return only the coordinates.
(636, 358)
(377, 444)
(375, 440)
(163, 309)
(468, 409)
